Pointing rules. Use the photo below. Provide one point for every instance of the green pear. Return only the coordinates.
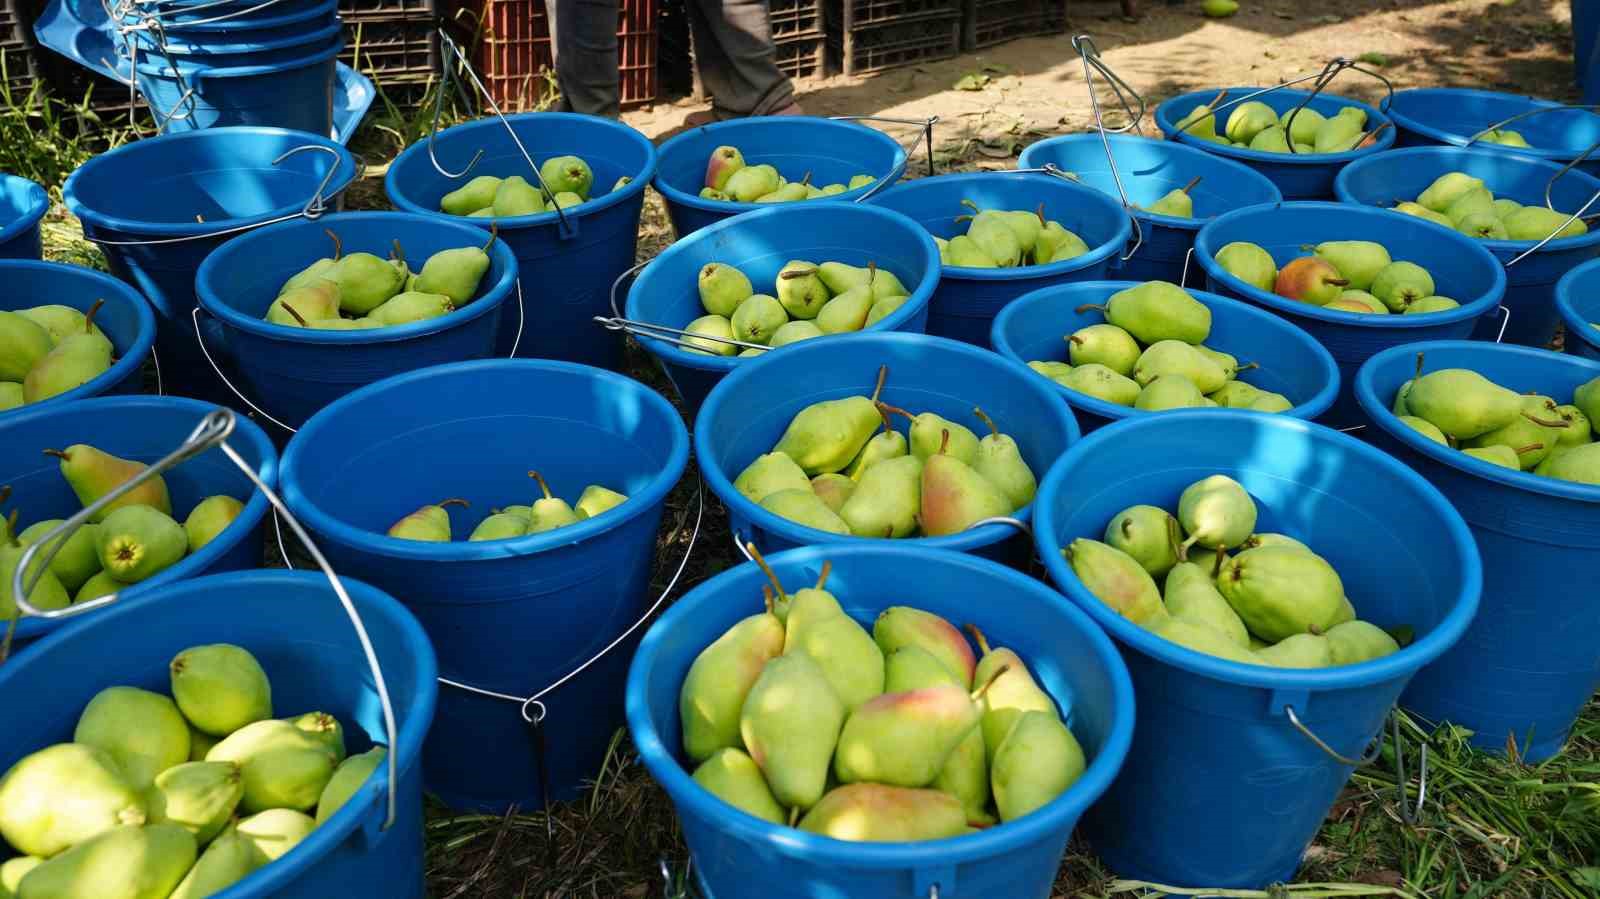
(731, 776)
(711, 327)
(1587, 398)
(790, 723)
(964, 252)
(282, 766)
(1533, 434)
(1298, 651)
(101, 584)
(1025, 226)
(886, 444)
(1425, 428)
(1037, 762)
(365, 282)
(759, 317)
(1579, 464)
(411, 306)
(1482, 225)
(325, 729)
(1462, 403)
(801, 290)
(1176, 202)
(429, 523)
(804, 507)
(597, 500)
(834, 490)
(220, 688)
(1008, 692)
(992, 235)
(1358, 261)
(769, 474)
(1191, 595)
(1431, 304)
(1270, 402)
(92, 473)
(1215, 512)
(999, 461)
(123, 863)
(198, 796)
(1271, 139)
(788, 193)
(751, 182)
(1503, 456)
(142, 731)
(1228, 362)
(875, 813)
(1446, 189)
(1302, 124)
(847, 655)
(1053, 369)
(1105, 344)
(12, 871)
(954, 495)
(711, 193)
(549, 511)
(839, 277)
(900, 628)
(1235, 395)
(566, 173)
(23, 344)
(470, 197)
(78, 558)
(1400, 284)
(883, 308)
(824, 436)
(846, 312)
(1148, 534)
(1057, 244)
(714, 691)
(793, 332)
(1169, 392)
(1504, 206)
(76, 360)
(347, 780)
(887, 499)
(1359, 641)
(1337, 135)
(1422, 212)
(209, 518)
(1249, 119)
(1539, 222)
(515, 196)
(1102, 383)
(722, 288)
(1116, 579)
(1200, 121)
(229, 859)
(136, 542)
(1506, 138)
(1191, 634)
(1159, 310)
(455, 273)
(927, 436)
(63, 795)
(61, 321)
(11, 397)
(1579, 429)
(1249, 263)
(724, 161)
(904, 739)
(1280, 591)
(274, 832)
(1174, 357)
(1477, 200)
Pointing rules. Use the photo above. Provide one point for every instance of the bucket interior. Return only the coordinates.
(124, 317)
(20, 199)
(1455, 114)
(1579, 298)
(935, 203)
(1170, 113)
(832, 152)
(1150, 168)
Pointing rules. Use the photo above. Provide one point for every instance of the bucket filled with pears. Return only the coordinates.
(1452, 116)
(1499, 200)
(782, 159)
(776, 277)
(90, 334)
(202, 516)
(355, 297)
(1329, 267)
(822, 731)
(1230, 556)
(888, 451)
(1507, 433)
(1115, 348)
(226, 753)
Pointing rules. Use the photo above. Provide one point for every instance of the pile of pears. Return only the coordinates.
(841, 467)
(378, 293)
(1462, 202)
(1150, 354)
(431, 523)
(1253, 125)
(729, 179)
(567, 180)
(1273, 602)
(808, 300)
(1356, 276)
(130, 540)
(800, 717)
(1460, 408)
(48, 350)
(177, 797)
(998, 238)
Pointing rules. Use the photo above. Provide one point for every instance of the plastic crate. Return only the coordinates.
(855, 14)
(797, 19)
(513, 52)
(990, 22)
(381, 47)
(803, 56)
(873, 49)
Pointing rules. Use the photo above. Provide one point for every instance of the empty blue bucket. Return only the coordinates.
(1291, 363)
(296, 92)
(1150, 168)
(1240, 792)
(1300, 176)
(139, 203)
(968, 299)
(1578, 301)
(125, 318)
(759, 244)
(1530, 283)
(314, 661)
(747, 413)
(144, 429)
(567, 270)
(22, 205)
(832, 151)
(294, 372)
(1462, 269)
(1431, 116)
(737, 856)
(509, 616)
(1529, 664)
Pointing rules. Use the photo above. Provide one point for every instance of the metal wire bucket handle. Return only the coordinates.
(676, 336)
(924, 139)
(1322, 79)
(1092, 62)
(1056, 171)
(1409, 813)
(212, 432)
(740, 542)
(1527, 113)
(1550, 204)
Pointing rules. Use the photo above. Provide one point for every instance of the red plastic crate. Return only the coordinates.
(513, 52)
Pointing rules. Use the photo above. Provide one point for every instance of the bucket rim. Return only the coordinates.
(1402, 664)
(1285, 329)
(200, 70)
(198, 52)
(330, 527)
(242, 23)
(675, 144)
(1380, 415)
(1470, 309)
(592, 206)
(667, 771)
(1578, 326)
(38, 203)
(1194, 155)
(1085, 194)
(131, 360)
(370, 801)
(1590, 238)
(493, 296)
(912, 307)
(1375, 116)
(344, 174)
(974, 538)
(1459, 141)
(186, 568)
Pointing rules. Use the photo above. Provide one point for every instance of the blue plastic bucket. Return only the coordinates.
(124, 317)
(1530, 283)
(314, 662)
(1529, 664)
(203, 15)
(255, 48)
(747, 413)
(759, 244)
(1291, 363)
(294, 372)
(567, 271)
(1240, 792)
(1585, 24)
(737, 856)
(510, 616)
(144, 429)
(1433, 116)
(139, 203)
(832, 151)
(1461, 269)
(968, 299)
(1578, 301)
(285, 93)
(22, 205)
(1149, 169)
(1300, 176)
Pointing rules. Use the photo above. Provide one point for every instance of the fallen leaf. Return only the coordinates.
(1373, 59)
(1587, 877)
(1383, 878)
(972, 81)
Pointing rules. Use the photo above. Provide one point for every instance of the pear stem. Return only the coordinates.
(1174, 534)
(766, 598)
(986, 420)
(806, 179)
(755, 556)
(1544, 422)
(944, 440)
(1221, 95)
(5, 493)
(972, 206)
(977, 635)
(827, 569)
(1246, 366)
(978, 693)
(1519, 451)
(888, 426)
(88, 317)
(338, 245)
(796, 273)
(886, 409)
(397, 252)
(1222, 553)
(877, 390)
(297, 316)
(794, 815)
(1040, 213)
(542, 485)
(11, 526)
(872, 271)
(454, 501)
(1419, 365)
(1192, 182)
(1183, 549)
(963, 218)
(58, 454)
(1087, 306)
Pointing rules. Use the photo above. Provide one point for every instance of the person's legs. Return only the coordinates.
(734, 52)
(583, 41)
